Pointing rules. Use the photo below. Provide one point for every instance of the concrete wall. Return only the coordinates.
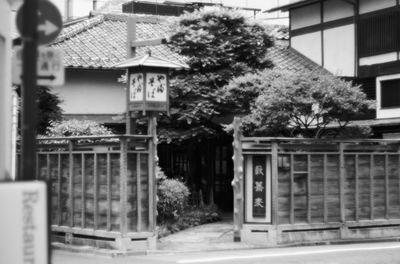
(92, 92)
(5, 89)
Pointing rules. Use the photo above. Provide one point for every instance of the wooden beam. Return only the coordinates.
(325, 189)
(356, 193)
(274, 172)
(152, 163)
(83, 173)
(309, 188)
(59, 189)
(148, 42)
(341, 182)
(138, 194)
(386, 187)
(291, 190)
(71, 183)
(237, 182)
(371, 190)
(109, 192)
(95, 193)
(123, 186)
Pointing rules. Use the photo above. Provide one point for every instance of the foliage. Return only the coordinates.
(191, 217)
(172, 198)
(219, 44)
(303, 103)
(73, 127)
(49, 109)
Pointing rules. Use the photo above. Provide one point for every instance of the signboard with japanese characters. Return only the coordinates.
(148, 91)
(156, 87)
(259, 186)
(50, 67)
(258, 189)
(136, 87)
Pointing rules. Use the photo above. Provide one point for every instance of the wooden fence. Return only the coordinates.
(319, 190)
(102, 189)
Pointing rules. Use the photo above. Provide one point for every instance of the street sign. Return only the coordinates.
(49, 22)
(24, 223)
(50, 67)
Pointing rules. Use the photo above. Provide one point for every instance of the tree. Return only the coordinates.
(219, 44)
(282, 103)
(49, 109)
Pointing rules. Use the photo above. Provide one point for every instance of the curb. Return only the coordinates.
(112, 253)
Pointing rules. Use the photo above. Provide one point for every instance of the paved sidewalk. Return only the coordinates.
(208, 237)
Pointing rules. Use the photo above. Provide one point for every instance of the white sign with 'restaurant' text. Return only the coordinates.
(23, 223)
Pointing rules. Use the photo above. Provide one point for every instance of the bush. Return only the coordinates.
(192, 216)
(70, 128)
(172, 199)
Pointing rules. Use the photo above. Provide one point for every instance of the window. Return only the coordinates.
(388, 96)
(379, 34)
(390, 93)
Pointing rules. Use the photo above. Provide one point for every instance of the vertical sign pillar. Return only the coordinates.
(130, 52)
(29, 87)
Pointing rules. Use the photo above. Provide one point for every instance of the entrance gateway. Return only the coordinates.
(290, 190)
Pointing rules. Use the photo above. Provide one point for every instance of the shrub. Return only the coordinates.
(191, 217)
(70, 128)
(172, 198)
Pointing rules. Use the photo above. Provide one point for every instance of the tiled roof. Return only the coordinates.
(285, 58)
(100, 42)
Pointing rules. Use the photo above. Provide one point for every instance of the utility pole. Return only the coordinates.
(28, 90)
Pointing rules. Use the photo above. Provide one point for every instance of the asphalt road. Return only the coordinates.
(371, 253)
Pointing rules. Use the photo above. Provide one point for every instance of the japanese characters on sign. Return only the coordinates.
(50, 67)
(148, 91)
(156, 87)
(136, 87)
(258, 185)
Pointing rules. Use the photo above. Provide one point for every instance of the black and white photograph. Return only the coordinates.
(208, 131)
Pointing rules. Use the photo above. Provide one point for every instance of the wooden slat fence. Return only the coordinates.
(100, 186)
(328, 185)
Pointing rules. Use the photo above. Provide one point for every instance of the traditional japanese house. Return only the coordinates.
(94, 45)
(358, 40)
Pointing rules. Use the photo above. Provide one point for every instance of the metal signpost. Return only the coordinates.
(26, 204)
(39, 22)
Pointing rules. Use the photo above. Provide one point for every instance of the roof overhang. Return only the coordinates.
(284, 8)
(150, 61)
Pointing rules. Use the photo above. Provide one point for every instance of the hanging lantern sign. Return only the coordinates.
(148, 83)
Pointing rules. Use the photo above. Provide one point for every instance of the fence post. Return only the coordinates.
(341, 182)
(274, 179)
(237, 182)
(153, 160)
(123, 185)
(71, 182)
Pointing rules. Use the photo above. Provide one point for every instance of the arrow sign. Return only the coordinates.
(50, 67)
(50, 22)
(48, 27)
